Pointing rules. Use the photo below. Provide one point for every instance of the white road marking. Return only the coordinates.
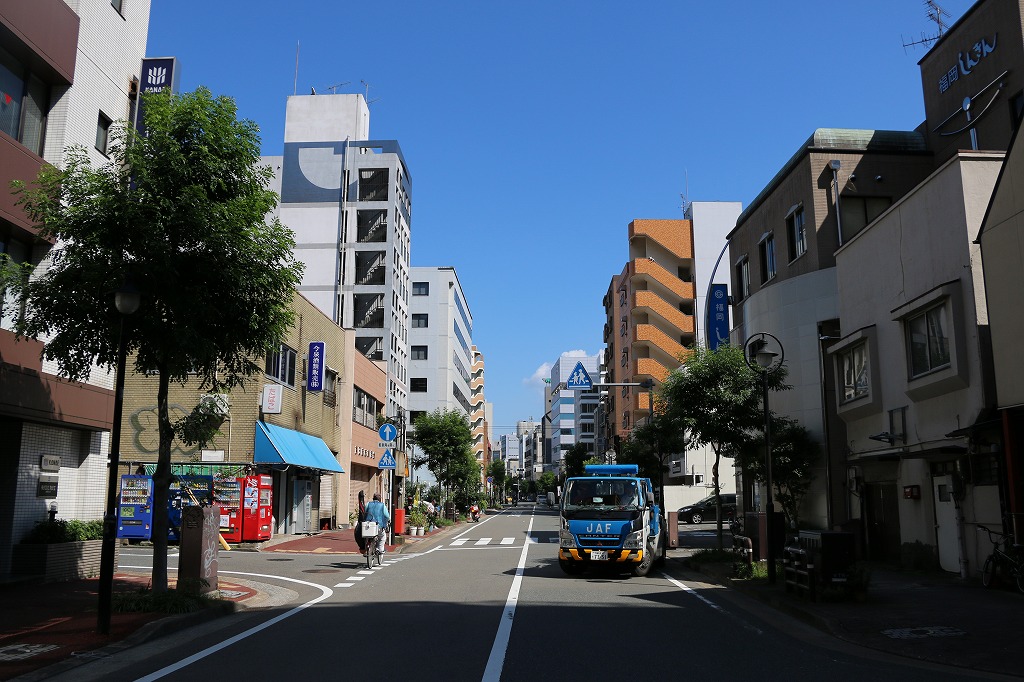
(344, 584)
(508, 541)
(356, 577)
(716, 607)
(365, 572)
(460, 542)
(496, 660)
(482, 541)
(326, 592)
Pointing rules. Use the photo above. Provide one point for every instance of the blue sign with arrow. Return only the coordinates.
(579, 380)
(387, 432)
(387, 461)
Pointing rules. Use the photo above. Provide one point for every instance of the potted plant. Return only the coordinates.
(417, 519)
(60, 550)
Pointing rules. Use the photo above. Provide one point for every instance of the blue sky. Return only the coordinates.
(536, 131)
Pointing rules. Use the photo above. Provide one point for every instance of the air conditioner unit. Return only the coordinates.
(217, 402)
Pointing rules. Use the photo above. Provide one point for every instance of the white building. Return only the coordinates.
(560, 422)
(348, 200)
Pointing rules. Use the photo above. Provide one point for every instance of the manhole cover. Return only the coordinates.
(281, 559)
(322, 570)
(920, 633)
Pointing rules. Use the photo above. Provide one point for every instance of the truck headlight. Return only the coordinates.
(566, 540)
(634, 540)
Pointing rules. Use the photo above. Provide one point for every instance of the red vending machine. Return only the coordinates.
(256, 507)
(227, 492)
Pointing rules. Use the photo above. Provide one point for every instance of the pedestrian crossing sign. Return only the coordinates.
(579, 380)
(387, 461)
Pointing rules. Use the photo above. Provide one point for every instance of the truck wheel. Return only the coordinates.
(663, 550)
(570, 567)
(641, 569)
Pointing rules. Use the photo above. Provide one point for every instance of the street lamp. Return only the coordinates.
(760, 356)
(126, 299)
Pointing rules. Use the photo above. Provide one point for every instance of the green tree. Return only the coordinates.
(547, 482)
(496, 471)
(575, 459)
(446, 441)
(652, 444)
(794, 454)
(182, 214)
(716, 397)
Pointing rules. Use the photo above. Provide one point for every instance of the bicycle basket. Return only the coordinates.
(369, 529)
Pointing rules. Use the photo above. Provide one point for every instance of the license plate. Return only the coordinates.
(599, 555)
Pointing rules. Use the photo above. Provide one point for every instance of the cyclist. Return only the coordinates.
(378, 511)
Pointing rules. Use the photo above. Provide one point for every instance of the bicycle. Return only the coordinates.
(372, 550)
(1006, 561)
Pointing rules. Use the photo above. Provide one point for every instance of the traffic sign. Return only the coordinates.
(387, 461)
(579, 380)
(387, 432)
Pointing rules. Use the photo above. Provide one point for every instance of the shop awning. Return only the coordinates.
(278, 445)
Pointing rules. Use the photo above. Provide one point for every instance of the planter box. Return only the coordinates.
(59, 561)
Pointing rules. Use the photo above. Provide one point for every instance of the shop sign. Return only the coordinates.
(272, 394)
(49, 463)
(47, 486)
(966, 61)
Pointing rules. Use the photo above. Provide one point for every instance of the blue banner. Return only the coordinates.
(315, 372)
(717, 328)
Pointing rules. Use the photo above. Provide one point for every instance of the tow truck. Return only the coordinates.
(609, 517)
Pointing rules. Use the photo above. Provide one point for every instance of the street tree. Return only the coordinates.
(446, 442)
(654, 443)
(794, 455)
(716, 398)
(576, 458)
(182, 215)
(496, 472)
(547, 482)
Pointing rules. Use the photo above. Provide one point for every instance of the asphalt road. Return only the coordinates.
(490, 603)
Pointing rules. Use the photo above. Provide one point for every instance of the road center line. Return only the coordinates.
(326, 592)
(496, 661)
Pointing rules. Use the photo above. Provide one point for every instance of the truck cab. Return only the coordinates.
(609, 517)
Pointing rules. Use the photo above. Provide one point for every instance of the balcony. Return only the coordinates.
(675, 236)
(650, 304)
(658, 343)
(646, 274)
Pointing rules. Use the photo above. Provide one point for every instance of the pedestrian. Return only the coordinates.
(378, 512)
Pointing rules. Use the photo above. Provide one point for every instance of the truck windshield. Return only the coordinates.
(601, 493)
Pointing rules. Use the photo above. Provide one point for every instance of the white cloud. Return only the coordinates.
(540, 376)
(573, 354)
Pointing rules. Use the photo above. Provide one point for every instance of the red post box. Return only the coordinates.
(399, 521)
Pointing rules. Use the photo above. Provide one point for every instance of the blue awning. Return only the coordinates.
(278, 445)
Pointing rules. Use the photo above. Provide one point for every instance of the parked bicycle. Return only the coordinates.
(1006, 561)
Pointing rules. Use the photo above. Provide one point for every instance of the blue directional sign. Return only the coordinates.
(387, 432)
(387, 461)
(717, 328)
(579, 380)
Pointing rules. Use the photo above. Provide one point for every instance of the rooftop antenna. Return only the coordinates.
(334, 88)
(934, 13)
(367, 95)
(295, 86)
(685, 193)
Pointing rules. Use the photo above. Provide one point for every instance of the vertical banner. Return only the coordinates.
(157, 73)
(718, 316)
(315, 368)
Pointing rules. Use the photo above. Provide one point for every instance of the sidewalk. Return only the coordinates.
(930, 617)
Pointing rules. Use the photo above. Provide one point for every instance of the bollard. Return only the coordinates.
(198, 553)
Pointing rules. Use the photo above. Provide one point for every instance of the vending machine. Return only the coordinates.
(185, 491)
(227, 492)
(135, 508)
(257, 521)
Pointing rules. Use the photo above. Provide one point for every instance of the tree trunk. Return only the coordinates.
(718, 498)
(161, 486)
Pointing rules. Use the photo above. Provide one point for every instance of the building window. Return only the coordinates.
(855, 372)
(102, 133)
(373, 184)
(928, 340)
(421, 288)
(24, 102)
(281, 364)
(857, 212)
(767, 248)
(330, 386)
(743, 278)
(796, 232)
(419, 352)
(418, 384)
(419, 320)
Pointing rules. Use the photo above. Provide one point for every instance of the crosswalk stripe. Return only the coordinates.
(365, 572)
(482, 541)
(356, 577)
(344, 584)
(458, 543)
(508, 541)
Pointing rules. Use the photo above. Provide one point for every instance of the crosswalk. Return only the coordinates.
(489, 542)
(361, 575)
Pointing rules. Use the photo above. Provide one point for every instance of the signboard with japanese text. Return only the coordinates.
(315, 368)
(718, 316)
(272, 394)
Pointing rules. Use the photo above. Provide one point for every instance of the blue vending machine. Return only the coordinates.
(135, 508)
(186, 491)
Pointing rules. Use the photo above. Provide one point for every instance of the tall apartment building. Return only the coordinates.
(67, 71)
(349, 201)
(649, 311)
(479, 421)
(560, 425)
(532, 448)
(440, 342)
